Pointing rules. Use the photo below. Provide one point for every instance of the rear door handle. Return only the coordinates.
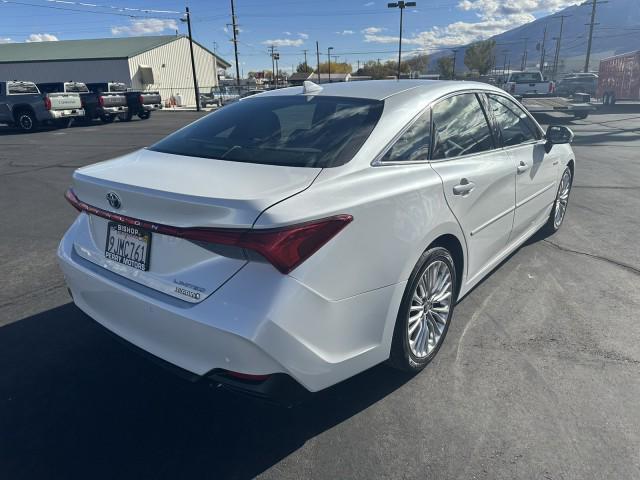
(523, 167)
(464, 187)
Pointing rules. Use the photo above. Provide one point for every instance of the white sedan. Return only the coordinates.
(295, 238)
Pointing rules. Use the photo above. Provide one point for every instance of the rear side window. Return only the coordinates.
(460, 127)
(515, 126)
(526, 77)
(414, 143)
(21, 87)
(291, 130)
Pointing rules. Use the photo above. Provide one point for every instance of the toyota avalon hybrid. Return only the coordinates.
(297, 237)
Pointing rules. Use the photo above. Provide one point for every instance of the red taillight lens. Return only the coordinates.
(552, 87)
(141, 99)
(47, 103)
(101, 101)
(285, 248)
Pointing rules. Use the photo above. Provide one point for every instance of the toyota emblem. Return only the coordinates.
(114, 200)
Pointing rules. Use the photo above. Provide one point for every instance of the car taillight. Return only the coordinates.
(552, 87)
(285, 248)
(141, 99)
(47, 103)
(101, 100)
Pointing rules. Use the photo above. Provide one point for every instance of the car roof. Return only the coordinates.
(383, 89)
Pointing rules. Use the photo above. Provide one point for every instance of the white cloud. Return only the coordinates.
(495, 17)
(458, 33)
(346, 32)
(41, 37)
(6, 40)
(491, 8)
(284, 42)
(144, 26)
(303, 35)
(372, 30)
(369, 4)
(287, 33)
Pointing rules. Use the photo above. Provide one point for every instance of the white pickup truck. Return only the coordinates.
(530, 83)
(22, 105)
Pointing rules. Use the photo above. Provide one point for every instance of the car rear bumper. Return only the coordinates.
(151, 108)
(114, 110)
(259, 322)
(58, 114)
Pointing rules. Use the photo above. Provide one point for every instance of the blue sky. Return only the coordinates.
(357, 29)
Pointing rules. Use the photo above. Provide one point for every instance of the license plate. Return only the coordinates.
(128, 245)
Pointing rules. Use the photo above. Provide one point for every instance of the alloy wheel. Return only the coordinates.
(563, 198)
(430, 309)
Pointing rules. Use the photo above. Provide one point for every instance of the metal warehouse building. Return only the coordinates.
(160, 63)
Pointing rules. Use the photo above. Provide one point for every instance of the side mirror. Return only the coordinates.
(557, 134)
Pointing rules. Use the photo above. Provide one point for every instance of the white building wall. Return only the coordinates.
(171, 64)
(62, 71)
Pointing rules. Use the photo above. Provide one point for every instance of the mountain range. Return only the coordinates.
(617, 30)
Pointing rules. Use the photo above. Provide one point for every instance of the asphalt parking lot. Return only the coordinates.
(539, 376)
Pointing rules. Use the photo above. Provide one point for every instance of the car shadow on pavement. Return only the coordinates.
(75, 403)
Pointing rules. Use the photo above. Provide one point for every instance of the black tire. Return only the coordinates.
(25, 121)
(127, 117)
(612, 99)
(552, 226)
(401, 357)
(107, 118)
(144, 115)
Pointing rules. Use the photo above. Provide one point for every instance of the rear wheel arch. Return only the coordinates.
(23, 107)
(571, 165)
(455, 248)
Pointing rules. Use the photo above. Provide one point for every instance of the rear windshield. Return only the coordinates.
(118, 87)
(76, 87)
(298, 131)
(526, 77)
(21, 87)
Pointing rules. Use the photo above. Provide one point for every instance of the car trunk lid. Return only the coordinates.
(183, 192)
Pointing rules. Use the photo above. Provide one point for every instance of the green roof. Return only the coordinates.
(93, 49)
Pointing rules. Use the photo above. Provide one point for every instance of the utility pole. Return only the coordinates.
(591, 24)
(453, 68)
(542, 52)
(329, 59)
(235, 40)
(401, 5)
(556, 58)
(358, 65)
(504, 63)
(273, 65)
(305, 59)
(318, 60)
(524, 55)
(196, 91)
(276, 56)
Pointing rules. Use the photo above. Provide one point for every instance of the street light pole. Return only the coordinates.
(329, 59)
(318, 60)
(401, 5)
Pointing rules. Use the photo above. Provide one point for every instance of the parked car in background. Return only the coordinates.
(528, 83)
(220, 96)
(619, 78)
(571, 84)
(23, 105)
(298, 237)
(138, 102)
(105, 106)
